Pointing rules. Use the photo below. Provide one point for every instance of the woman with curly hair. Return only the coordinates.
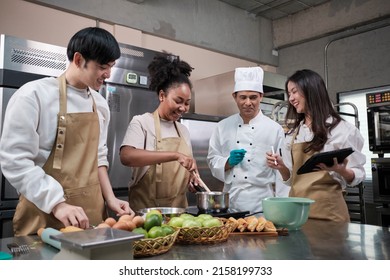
(317, 127)
(156, 146)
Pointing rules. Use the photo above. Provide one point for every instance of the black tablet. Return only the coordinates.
(325, 157)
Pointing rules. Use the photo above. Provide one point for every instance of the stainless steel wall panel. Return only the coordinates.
(32, 57)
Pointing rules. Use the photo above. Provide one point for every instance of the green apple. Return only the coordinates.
(214, 222)
(176, 222)
(191, 223)
(199, 219)
(205, 216)
(186, 216)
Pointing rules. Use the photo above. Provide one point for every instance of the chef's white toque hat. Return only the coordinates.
(249, 79)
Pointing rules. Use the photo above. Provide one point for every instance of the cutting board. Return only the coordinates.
(282, 231)
(262, 233)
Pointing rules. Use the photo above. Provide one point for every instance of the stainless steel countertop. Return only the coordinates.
(316, 240)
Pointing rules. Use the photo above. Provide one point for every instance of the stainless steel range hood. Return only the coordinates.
(27, 56)
(213, 95)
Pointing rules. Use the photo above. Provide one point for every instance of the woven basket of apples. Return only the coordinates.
(201, 229)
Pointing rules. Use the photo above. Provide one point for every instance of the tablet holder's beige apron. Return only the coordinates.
(164, 184)
(319, 185)
(73, 163)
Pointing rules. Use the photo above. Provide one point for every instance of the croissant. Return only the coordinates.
(242, 224)
(261, 224)
(234, 223)
(252, 223)
(269, 226)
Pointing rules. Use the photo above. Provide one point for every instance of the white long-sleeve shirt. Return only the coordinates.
(251, 180)
(29, 132)
(344, 135)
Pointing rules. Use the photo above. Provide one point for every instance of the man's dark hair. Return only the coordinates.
(95, 44)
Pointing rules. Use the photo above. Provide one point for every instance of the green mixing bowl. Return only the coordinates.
(287, 212)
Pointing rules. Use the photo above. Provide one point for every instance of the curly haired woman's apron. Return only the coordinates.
(164, 184)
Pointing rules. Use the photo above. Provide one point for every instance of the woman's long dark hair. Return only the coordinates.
(167, 70)
(318, 106)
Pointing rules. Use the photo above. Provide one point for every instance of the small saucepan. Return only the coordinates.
(213, 202)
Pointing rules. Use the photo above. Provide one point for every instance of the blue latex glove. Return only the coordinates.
(236, 156)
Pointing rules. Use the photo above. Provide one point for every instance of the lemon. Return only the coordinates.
(167, 229)
(154, 212)
(151, 221)
(156, 231)
(140, 231)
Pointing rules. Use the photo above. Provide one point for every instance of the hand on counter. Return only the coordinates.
(71, 215)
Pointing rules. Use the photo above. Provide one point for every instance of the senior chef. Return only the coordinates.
(238, 146)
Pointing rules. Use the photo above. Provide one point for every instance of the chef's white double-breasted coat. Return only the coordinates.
(251, 180)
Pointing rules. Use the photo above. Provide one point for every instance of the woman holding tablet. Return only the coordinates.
(314, 127)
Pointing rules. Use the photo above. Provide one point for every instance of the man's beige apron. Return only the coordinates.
(73, 163)
(319, 185)
(164, 184)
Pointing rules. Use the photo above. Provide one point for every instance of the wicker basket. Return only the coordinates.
(154, 246)
(204, 235)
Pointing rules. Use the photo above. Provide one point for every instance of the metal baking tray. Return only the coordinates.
(93, 238)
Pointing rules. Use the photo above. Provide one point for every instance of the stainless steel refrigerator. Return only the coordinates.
(21, 61)
(127, 93)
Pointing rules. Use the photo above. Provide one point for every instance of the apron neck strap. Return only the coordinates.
(62, 88)
(295, 135)
(63, 104)
(157, 126)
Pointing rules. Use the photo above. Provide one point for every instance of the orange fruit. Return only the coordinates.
(121, 225)
(130, 225)
(110, 221)
(102, 225)
(125, 218)
(138, 221)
